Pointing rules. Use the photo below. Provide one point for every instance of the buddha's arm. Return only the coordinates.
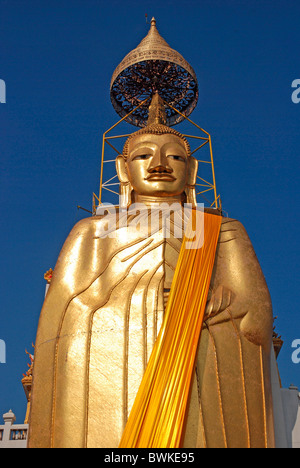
(73, 272)
(239, 289)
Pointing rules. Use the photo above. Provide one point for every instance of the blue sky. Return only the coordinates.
(57, 59)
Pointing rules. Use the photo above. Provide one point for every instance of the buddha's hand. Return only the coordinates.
(220, 299)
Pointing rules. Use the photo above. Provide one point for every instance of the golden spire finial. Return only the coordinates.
(153, 40)
(157, 111)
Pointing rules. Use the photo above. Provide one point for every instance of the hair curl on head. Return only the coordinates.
(156, 129)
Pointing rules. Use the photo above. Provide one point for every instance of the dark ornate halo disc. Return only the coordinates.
(153, 67)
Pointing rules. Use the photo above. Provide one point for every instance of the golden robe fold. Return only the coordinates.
(159, 411)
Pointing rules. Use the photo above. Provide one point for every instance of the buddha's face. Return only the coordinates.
(157, 165)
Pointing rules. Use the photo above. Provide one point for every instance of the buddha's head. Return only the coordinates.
(157, 163)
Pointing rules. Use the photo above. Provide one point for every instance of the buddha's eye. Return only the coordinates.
(142, 157)
(176, 158)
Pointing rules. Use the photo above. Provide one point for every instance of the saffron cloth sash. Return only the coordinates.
(158, 414)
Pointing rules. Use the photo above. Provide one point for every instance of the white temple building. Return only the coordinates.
(13, 435)
(286, 404)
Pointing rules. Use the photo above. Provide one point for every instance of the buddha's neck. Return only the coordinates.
(150, 201)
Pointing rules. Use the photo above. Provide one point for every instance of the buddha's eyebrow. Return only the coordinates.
(149, 144)
(174, 146)
(145, 144)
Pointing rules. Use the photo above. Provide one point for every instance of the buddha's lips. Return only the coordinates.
(160, 177)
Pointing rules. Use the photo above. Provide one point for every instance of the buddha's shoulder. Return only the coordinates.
(89, 225)
(232, 229)
(109, 220)
(227, 224)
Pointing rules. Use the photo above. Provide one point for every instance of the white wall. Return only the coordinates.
(13, 435)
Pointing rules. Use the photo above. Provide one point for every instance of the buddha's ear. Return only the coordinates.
(125, 186)
(192, 171)
(121, 169)
(190, 189)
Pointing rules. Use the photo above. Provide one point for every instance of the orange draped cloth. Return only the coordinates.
(158, 414)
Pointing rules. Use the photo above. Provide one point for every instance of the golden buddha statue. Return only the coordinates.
(105, 307)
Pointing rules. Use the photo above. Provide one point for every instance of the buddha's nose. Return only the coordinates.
(159, 163)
